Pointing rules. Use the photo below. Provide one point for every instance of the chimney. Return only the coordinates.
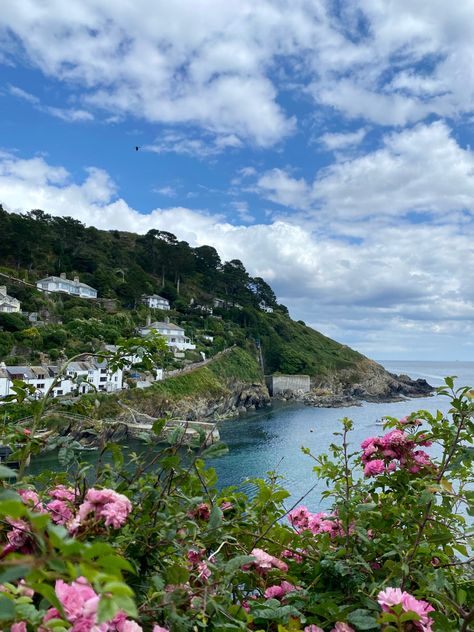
(62, 275)
(3, 289)
(76, 280)
(148, 320)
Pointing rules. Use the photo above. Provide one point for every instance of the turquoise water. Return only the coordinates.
(272, 440)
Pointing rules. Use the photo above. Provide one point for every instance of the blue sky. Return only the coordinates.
(325, 144)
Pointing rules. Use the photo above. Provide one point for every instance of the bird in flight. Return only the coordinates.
(137, 148)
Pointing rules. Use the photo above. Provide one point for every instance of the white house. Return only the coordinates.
(94, 373)
(175, 336)
(265, 308)
(62, 284)
(8, 303)
(154, 301)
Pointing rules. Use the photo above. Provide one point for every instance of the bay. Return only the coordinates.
(272, 440)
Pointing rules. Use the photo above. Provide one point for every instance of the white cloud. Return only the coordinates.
(180, 143)
(422, 170)
(218, 65)
(168, 191)
(398, 288)
(342, 140)
(205, 63)
(70, 115)
(278, 186)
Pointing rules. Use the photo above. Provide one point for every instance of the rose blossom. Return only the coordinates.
(105, 504)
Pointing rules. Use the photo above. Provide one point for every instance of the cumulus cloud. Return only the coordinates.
(400, 287)
(218, 65)
(419, 170)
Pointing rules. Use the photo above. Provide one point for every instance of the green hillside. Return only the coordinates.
(124, 266)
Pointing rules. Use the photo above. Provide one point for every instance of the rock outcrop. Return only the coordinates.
(368, 382)
(238, 398)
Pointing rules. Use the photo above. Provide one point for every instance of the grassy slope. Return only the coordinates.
(211, 381)
(292, 347)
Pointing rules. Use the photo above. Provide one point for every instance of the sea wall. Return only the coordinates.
(278, 384)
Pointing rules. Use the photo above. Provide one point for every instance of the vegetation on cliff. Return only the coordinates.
(123, 267)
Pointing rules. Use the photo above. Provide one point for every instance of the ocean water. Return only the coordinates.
(272, 440)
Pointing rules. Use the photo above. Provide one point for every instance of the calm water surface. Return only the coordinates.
(272, 440)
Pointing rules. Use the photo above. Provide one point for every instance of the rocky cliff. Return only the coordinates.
(368, 382)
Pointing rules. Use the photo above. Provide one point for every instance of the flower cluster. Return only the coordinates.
(382, 455)
(106, 505)
(80, 604)
(303, 520)
(279, 591)
(99, 505)
(395, 596)
(264, 562)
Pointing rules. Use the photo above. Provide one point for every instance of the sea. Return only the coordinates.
(272, 440)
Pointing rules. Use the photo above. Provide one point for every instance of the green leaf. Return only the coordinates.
(215, 519)
(108, 608)
(363, 619)
(215, 450)
(237, 562)
(176, 575)
(6, 472)
(14, 572)
(7, 608)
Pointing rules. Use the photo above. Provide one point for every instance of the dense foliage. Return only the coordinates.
(123, 267)
(149, 542)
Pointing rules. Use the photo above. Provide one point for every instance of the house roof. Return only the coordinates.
(157, 296)
(160, 325)
(56, 279)
(6, 298)
(30, 372)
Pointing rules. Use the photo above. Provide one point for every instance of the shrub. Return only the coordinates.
(151, 537)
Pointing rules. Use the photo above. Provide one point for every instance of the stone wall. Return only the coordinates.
(288, 383)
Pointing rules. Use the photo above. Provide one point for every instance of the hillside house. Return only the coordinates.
(155, 301)
(94, 374)
(8, 303)
(265, 308)
(62, 284)
(174, 334)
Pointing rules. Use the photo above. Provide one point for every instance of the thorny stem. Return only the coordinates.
(347, 485)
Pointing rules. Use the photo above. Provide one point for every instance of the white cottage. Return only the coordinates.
(62, 284)
(155, 301)
(174, 335)
(8, 303)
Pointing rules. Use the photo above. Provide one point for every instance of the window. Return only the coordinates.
(40, 385)
(103, 379)
(59, 392)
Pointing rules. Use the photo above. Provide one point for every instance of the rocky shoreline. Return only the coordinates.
(371, 383)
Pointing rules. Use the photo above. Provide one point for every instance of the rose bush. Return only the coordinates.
(151, 544)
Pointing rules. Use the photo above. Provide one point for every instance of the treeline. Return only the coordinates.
(124, 265)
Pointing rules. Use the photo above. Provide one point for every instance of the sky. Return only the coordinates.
(326, 144)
